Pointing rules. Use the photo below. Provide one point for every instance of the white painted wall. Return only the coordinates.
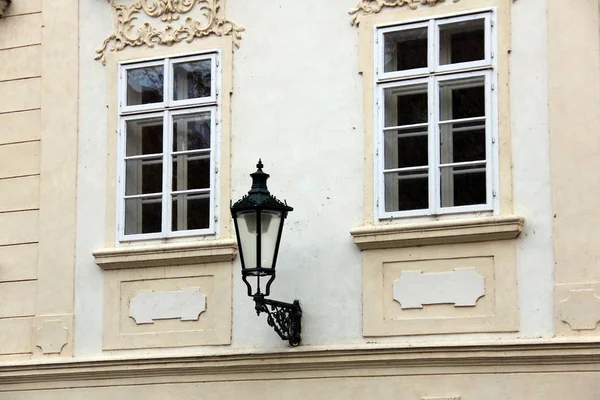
(297, 103)
(531, 166)
(91, 178)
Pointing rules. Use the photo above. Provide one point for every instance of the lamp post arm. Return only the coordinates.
(285, 318)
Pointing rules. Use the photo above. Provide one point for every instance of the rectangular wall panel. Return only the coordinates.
(19, 193)
(18, 262)
(19, 31)
(20, 126)
(15, 335)
(19, 159)
(20, 95)
(17, 299)
(20, 62)
(19, 227)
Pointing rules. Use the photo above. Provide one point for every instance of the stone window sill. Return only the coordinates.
(438, 232)
(166, 254)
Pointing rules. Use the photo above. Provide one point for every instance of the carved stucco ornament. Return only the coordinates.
(368, 7)
(52, 336)
(581, 310)
(129, 31)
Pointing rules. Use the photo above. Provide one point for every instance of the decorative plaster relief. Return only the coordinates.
(207, 20)
(461, 287)
(581, 310)
(159, 298)
(496, 311)
(52, 337)
(367, 7)
(186, 304)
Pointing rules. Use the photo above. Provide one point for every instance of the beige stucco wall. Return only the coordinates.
(574, 119)
(574, 104)
(20, 88)
(38, 114)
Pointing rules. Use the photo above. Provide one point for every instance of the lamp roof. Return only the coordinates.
(259, 196)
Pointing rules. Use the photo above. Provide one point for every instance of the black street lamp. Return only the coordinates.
(258, 218)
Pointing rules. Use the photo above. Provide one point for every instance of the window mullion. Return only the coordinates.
(213, 169)
(434, 148)
(379, 156)
(121, 89)
(489, 140)
(433, 101)
(167, 173)
(488, 49)
(213, 78)
(168, 83)
(432, 50)
(380, 49)
(121, 167)
(167, 207)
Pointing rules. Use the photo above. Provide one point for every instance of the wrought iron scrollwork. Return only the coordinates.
(285, 318)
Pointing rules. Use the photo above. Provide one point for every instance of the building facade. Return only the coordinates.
(439, 156)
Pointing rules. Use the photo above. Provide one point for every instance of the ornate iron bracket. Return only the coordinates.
(285, 318)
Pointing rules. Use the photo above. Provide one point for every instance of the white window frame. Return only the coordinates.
(432, 76)
(168, 109)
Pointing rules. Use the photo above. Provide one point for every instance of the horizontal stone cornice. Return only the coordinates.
(363, 360)
(199, 252)
(437, 232)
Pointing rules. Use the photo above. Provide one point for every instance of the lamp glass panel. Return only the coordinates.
(269, 226)
(246, 225)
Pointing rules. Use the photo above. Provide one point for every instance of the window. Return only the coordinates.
(436, 107)
(168, 111)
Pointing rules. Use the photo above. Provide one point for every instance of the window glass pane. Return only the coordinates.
(143, 215)
(143, 176)
(406, 191)
(406, 49)
(191, 131)
(192, 79)
(406, 148)
(144, 136)
(270, 222)
(405, 105)
(462, 141)
(191, 211)
(462, 42)
(463, 186)
(144, 85)
(191, 171)
(464, 98)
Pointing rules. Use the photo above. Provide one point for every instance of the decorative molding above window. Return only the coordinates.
(151, 22)
(368, 7)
